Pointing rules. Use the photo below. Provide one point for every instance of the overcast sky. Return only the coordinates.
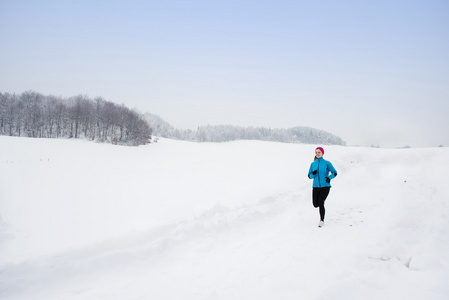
(371, 72)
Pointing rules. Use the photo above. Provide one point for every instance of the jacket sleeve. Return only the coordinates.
(311, 176)
(332, 170)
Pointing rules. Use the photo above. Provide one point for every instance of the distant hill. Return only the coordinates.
(226, 133)
(31, 114)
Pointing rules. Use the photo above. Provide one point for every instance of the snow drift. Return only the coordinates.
(180, 220)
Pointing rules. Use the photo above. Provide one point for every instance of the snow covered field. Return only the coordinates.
(179, 220)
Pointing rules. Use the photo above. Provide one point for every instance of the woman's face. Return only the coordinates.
(318, 153)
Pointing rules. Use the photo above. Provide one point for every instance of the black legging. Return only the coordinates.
(319, 196)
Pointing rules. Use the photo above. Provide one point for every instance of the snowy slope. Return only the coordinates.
(179, 220)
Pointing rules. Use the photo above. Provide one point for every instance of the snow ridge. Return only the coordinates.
(135, 248)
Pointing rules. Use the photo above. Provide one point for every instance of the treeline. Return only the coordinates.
(303, 135)
(31, 114)
(226, 133)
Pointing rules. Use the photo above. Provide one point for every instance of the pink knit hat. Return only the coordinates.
(322, 150)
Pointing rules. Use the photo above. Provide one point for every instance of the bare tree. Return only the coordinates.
(34, 115)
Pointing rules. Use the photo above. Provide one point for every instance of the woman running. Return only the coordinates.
(319, 172)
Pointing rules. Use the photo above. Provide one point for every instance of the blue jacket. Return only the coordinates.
(323, 168)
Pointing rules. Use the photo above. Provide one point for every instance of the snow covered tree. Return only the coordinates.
(34, 115)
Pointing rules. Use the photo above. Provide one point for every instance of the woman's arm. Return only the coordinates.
(332, 170)
(312, 173)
